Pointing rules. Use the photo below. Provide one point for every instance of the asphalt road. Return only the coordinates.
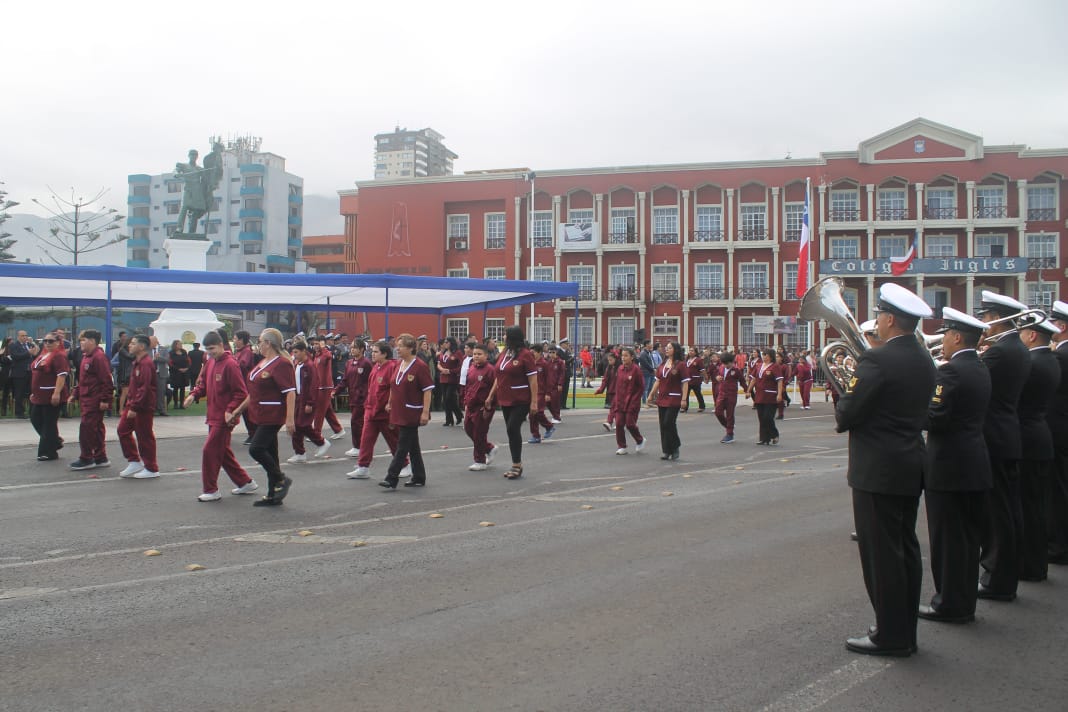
(725, 581)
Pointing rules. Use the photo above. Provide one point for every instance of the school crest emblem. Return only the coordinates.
(411, 378)
(515, 362)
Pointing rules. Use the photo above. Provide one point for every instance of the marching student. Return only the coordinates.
(696, 366)
(608, 387)
(730, 376)
(671, 393)
(516, 391)
(323, 360)
(357, 372)
(409, 409)
(627, 402)
(449, 360)
(376, 412)
(555, 375)
(766, 385)
(245, 358)
(804, 381)
(477, 418)
(537, 416)
(136, 418)
(306, 381)
(222, 383)
(49, 373)
(93, 392)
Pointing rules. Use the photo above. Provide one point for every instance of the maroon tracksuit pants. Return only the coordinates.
(476, 425)
(626, 422)
(324, 411)
(217, 454)
(372, 428)
(305, 430)
(725, 412)
(91, 433)
(143, 449)
(356, 425)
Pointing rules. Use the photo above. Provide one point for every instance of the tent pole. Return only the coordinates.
(107, 321)
(328, 329)
(300, 314)
(385, 335)
(574, 352)
(485, 308)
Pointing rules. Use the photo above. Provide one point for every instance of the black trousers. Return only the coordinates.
(21, 393)
(766, 419)
(890, 559)
(695, 388)
(453, 414)
(1034, 490)
(955, 525)
(1004, 531)
(264, 450)
(514, 417)
(407, 451)
(1057, 510)
(45, 420)
(669, 429)
(563, 394)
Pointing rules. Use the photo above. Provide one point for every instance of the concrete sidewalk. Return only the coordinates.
(15, 432)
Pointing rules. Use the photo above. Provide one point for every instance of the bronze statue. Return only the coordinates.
(199, 192)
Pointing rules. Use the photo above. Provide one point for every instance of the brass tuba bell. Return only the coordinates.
(824, 301)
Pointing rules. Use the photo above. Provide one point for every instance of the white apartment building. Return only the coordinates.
(411, 154)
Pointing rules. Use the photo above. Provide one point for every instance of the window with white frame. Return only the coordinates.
(1041, 202)
(891, 246)
(1041, 250)
(936, 298)
(539, 329)
(709, 223)
(990, 202)
(457, 273)
(708, 281)
(622, 283)
(794, 217)
(457, 329)
(540, 274)
(582, 275)
(495, 231)
(754, 280)
(789, 281)
(459, 227)
(892, 204)
(665, 326)
(584, 335)
(621, 331)
(543, 228)
(799, 338)
(495, 329)
(845, 248)
(708, 331)
(754, 222)
(665, 283)
(748, 337)
(665, 226)
(624, 226)
(584, 215)
(495, 273)
(1041, 295)
(991, 245)
(940, 245)
(941, 203)
(849, 296)
(845, 206)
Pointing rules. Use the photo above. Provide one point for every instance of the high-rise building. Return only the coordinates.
(254, 223)
(411, 154)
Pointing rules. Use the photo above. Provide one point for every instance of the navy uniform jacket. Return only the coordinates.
(885, 411)
(1009, 364)
(1035, 401)
(957, 460)
(1057, 415)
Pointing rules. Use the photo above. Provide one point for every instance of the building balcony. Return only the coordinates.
(250, 213)
(940, 213)
(701, 237)
(294, 220)
(137, 263)
(753, 293)
(250, 236)
(892, 214)
(296, 199)
(252, 190)
(752, 234)
(136, 221)
(621, 294)
(294, 242)
(991, 212)
(495, 243)
(622, 238)
(1041, 262)
(1041, 214)
(587, 294)
(665, 295)
(708, 293)
(541, 242)
(138, 178)
(280, 261)
(665, 238)
(843, 215)
(792, 235)
(135, 242)
(138, 200)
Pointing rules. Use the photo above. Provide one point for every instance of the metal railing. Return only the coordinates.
(940, 213)
(1041, 262)
(1042, 213)
(708, 293)
(706, 236)
(543, 241)
(665, 295)
(750, 234)
(620, 294)
(622, 238)
(843, 215)
(587, 294)
(665, 238)
(752, 293)
(987, 212)
(892, 214)
(495, 243)
(792, 235)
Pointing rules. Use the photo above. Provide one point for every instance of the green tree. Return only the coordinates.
(6, 243)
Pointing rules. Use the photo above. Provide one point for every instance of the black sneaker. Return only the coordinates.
(102, 462)
(81, 464)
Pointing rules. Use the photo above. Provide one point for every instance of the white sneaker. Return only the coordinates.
(323, 448)
(607, 427)
(478, 466)
(209, 497)
(554, 421)
(132, 469)
(621, 451)
(360, 473)
(492, 455)
(146, 475)
(338, 435)
(296, 459)
(407, 471)
(246, 489)
(641, 446)
(352, 452)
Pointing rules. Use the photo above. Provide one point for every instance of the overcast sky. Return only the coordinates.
(95, 91)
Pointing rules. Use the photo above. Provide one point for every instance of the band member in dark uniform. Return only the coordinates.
(671, 393)
(1036, 446)
(1009, 364)
(958, 470)
(766, 386)
(49, 374)
(884, 410)
(1057, 418)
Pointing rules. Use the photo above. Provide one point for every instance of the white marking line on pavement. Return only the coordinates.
(316, 539)
(818, 693)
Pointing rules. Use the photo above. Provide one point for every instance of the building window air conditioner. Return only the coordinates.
(459, 244)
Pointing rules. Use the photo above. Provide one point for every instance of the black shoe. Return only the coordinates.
(930, 613)
(853, 536)
(865, 646)
(665, 456)
(282, 490)
(81, 464)
(248, 441)
(267, 502)
(102, 462)
(674, 455)
(388, 485)
(1038, 578)
(46, 458)
(990, 595)
(162, 414)
(446, 425)
(409, 483)
(1059, 559)
(763, 442)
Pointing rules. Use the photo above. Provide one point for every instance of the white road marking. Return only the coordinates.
(317, 539)
(818, 693)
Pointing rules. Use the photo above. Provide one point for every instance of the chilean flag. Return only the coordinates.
(802, 255)
(900, 265)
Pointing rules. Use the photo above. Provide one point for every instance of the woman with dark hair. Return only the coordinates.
(696, 366)
(608, 386)
(409, 409)
(49, 374)
(450, 357)
(782, 363)
(375, 410)
(516, 391)
(629, 388)
(766, 389)
(671, 393)
(179, 369)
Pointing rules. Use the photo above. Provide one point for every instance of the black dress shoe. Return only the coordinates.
(865, 646)
(410, 483)
(388, 485)
(282, 490)
(46, 458)
(1059, 559)
(665, 456)
(930, 613)
(853, 536)
(991, 595)
(267, 502)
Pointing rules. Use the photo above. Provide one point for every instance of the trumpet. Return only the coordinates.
(1038, 316)
(933, 344)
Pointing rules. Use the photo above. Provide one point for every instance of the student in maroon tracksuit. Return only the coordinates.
(223, 384)
(766, 386)
(537, 416)
(804, 382)
(671, 394)
(410, 389)
(450, 358)
(93, 392)
(627, 401)
(357, 372)
(272, 396)
(49, 374)
(245, 358)
(138, 413)
(786, 371)
(608, 387)
(516, 391)
(306, 380)
(323, 359)
(554, 382)
(375, 413)
(696, 366)
(731, 375)
(480, 378)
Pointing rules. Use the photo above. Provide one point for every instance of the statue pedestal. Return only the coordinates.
(187, 254)
(186, 325)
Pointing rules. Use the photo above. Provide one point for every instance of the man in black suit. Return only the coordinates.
(1036, 444)
(1057, 419)
(1009, 365)
(22, 352)
(884, 409)
(958, 470)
